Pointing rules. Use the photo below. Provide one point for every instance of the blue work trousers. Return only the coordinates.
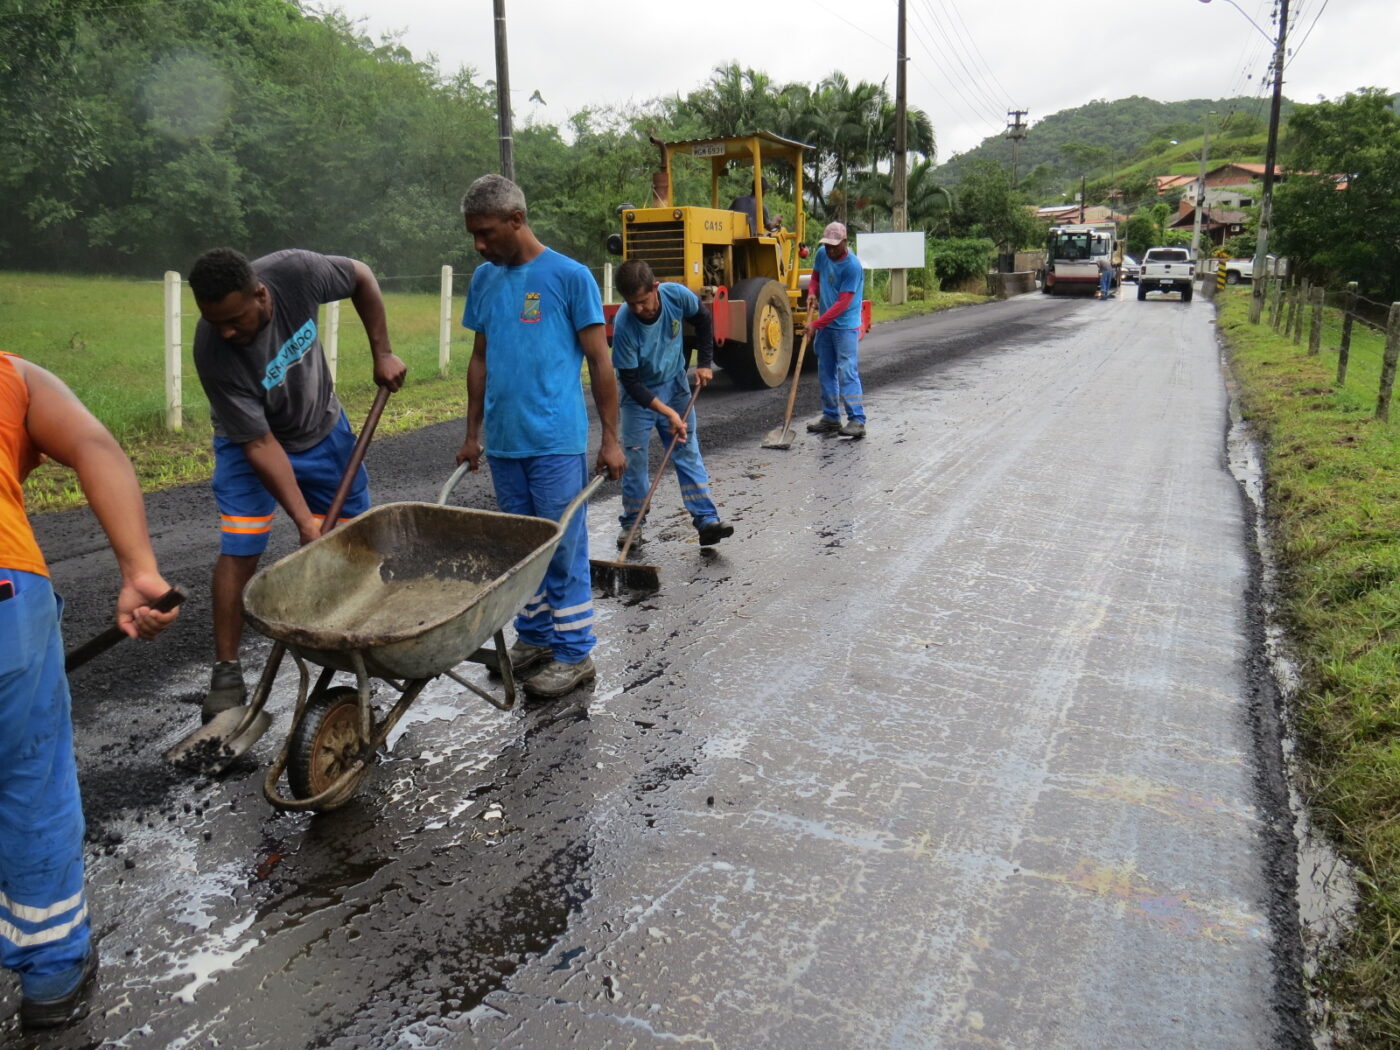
(1105, 283)
(638, 422)
(838, 351)
(43, 910)
(560, 615)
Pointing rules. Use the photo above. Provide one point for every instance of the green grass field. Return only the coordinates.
(104, 337)
(1333, 476)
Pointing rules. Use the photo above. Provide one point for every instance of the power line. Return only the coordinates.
(976, 107)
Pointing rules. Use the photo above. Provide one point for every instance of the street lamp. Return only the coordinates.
(1261, 248)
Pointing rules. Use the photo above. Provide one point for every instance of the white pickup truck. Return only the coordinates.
(1167, 270)
(1237, 270)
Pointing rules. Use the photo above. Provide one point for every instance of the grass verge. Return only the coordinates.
(1333, 506)
(104, 337)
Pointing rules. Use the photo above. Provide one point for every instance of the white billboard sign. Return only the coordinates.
(891, 251)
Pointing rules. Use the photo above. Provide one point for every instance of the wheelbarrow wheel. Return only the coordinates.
(326, 743)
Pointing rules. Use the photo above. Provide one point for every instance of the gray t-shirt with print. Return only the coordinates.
(279, 383)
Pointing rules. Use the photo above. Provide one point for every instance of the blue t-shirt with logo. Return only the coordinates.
(530, 316)
(836, 277)
(657, 349)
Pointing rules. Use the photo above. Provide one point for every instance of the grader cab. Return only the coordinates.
(751, 278)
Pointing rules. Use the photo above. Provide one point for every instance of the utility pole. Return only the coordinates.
(1016, 131)
(900, 211)
(503, 93)
(1200, 199)
(1261, 248)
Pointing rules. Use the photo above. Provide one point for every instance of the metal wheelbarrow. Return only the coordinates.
(405, 593)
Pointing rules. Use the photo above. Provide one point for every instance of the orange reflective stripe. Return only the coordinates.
(245, 526)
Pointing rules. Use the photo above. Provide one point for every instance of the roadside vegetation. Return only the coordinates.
(108, 350)
(1333, 505)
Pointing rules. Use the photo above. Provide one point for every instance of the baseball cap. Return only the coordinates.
(834, 233)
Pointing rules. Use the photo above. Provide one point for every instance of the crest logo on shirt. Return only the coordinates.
(675, 327)
(530, 312)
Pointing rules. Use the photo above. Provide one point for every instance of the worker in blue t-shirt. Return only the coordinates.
(838, 282)
(537, 318)
(650, 362)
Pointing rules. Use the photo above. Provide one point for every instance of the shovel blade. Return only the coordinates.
(215, 746)
(780, 437)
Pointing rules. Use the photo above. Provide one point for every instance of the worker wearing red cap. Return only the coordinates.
(838, 282)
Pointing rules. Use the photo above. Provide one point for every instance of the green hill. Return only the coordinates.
(1104, 141)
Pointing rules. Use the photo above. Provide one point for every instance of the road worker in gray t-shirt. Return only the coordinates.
(280, 434)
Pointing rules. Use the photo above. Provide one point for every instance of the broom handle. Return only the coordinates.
(801, 351)
(670, 447)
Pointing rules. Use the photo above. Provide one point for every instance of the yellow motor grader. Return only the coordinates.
(751, 279)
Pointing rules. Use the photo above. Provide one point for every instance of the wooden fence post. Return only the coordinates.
(1392, 351)
(1304, 294)
(1319, 303)
(1292, 309)
(445, 322)
(607, 284)
(1278, 302)
(174, 391)
(332, 339)
(1344, 351)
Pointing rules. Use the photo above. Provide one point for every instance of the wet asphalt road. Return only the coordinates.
(957, 743)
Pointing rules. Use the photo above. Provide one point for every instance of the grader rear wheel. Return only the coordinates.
(765, 359)
(326, 743)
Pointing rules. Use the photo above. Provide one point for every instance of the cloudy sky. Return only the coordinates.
(970, 60)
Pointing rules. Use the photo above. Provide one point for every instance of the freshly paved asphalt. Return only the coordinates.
(961, 741)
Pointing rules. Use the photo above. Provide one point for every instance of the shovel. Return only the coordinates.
(613, 577)
(229, 734)
(112, 635)
(784, 436)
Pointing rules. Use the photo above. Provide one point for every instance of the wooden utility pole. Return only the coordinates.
(1261, 248)
(900, 211)
(503, 93)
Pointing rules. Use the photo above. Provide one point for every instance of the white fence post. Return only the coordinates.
(174, 399)
(445, 323)
(607, 283)
(332, 340)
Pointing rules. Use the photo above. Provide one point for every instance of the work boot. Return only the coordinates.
(53, 1001)
(824, 426)
(852, 429)
(226, 689)
(637, 540)
(559, 678)
(525, 656)
(713, 531)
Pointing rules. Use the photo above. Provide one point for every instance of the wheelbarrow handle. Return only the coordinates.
(457, 474)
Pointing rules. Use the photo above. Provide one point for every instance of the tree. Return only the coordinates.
(988, 207)
(1335, 216)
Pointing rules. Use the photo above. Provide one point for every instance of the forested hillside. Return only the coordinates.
(1102, 136)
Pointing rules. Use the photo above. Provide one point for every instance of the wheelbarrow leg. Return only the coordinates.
(498, 660)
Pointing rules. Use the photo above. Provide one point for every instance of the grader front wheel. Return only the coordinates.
(765, 359)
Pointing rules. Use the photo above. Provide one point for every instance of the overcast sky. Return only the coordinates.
(970, 60)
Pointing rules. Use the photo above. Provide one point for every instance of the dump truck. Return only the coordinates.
(753, 281)
(1072, 254)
